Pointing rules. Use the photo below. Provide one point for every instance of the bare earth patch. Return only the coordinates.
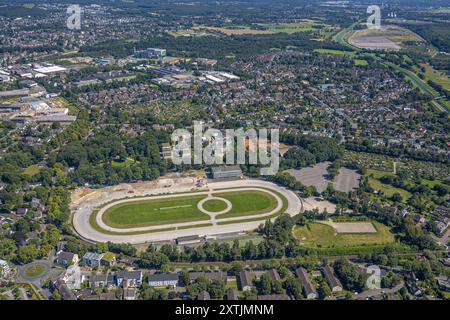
(387, 38)
(312, 203)
(351, 227)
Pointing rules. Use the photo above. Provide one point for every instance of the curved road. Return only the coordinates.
(85, 230)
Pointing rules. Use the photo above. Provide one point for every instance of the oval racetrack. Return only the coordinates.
(95, 229)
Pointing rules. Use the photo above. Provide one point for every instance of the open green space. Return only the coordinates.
(95, 226)
(388, 190)
(247, 203)
(336, 52)
(292, 27)
(122, 164)
(436, 76)
(31, 170)
(35, 270)
(154, 212)
(359, 62)
(214, 205)
(317, 235)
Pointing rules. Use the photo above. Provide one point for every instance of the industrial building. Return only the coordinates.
(150, 53)
(226, 172)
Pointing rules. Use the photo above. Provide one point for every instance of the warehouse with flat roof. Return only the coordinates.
(226, 172)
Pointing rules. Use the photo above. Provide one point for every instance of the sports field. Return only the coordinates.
(318, 235)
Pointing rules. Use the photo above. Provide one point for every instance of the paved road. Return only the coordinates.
(370, 293)
(84, 229)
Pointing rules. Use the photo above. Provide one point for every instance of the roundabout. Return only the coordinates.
(222, 207)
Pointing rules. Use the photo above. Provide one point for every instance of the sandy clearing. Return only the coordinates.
(351, 227)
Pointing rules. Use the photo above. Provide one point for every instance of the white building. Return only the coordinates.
(4, 269)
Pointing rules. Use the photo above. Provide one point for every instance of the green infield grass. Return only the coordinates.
(247, 203)
(154, 212)
(214, 205)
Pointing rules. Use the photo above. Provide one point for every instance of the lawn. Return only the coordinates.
(247, 203)
(308, 25)
(214, 205)
(317, 235)
(122, 164)
(336, 52)
(154, 212)
(388, 190)
(359, 62)
(35, 270)
(31, 170)
(436, 76)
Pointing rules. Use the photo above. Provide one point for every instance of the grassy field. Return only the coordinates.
(214, 205)
(317, 235)
(388, 190)
(31, 170)
(359, 62)
(261, 28)
(122, 164)
(96, 227)
(159, 212)
(349, 54)
(336, 52)
(307, 25)
(247, 203)
(154, 212)
(436, 76)
(35, 270)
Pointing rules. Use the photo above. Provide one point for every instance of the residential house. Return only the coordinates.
(204, 295)
(444, 282)
(411, 284)
(232, 294)
(333, 282)
(66, 258)
(21, 211)
(273, 274)
(131, 278)
(35, 202)
(245, 280)
(310, 291)
(129, 293)
(163, 280)
(442, 224)
(93, 259)
(99, 280)
(4, 268)
(64, 291)
(108, 259)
